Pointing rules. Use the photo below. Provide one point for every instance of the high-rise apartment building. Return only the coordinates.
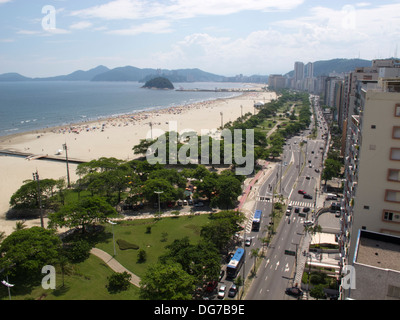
(298, 75)
(309, 70)
(372, 164)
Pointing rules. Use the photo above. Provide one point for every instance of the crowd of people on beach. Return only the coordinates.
(130, 119)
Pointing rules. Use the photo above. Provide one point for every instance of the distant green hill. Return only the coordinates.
(13, 77)
(159, 83)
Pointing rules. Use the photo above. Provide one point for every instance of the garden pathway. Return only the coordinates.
(115, 265)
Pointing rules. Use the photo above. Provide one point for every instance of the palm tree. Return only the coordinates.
(254, 254)
(19, 225)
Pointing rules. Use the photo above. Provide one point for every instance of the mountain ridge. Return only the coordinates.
(129, 73)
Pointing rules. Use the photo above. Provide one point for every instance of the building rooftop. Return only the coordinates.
(378, 250)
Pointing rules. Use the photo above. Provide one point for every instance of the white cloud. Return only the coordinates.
(151, 27)
(28, 32)
(81, 25)
(180, 9)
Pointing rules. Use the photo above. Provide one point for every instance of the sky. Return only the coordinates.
(40, 38)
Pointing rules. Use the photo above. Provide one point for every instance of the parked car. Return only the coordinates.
(301, 192)
(338, 214)
(288, 212)
(294, 291)
(190, 202)
(307, 196)
(221, 291)
(199, 204)
(296, 210)
(308, 223)
(232, 291)
(211, 286)
(306, 209)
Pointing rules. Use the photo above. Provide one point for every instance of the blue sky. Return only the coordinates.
(226, 37)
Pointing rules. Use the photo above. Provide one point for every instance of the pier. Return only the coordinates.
(30, 156)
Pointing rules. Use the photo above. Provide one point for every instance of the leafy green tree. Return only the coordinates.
(82, 213)
(27, 195)
(118, 282)
(331, 169)
(25, 252)
(228, 190)
(201, 260)
(169, 191)
(222, 227)
(143, 146)
(317, 292)
(166, 282)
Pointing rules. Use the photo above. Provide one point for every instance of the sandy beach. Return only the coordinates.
(113, 137)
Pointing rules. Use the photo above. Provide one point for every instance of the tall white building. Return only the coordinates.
(372, 164)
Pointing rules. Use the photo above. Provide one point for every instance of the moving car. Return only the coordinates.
(232, 291)
(221, 292)
(248, 242)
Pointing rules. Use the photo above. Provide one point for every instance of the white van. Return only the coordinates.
(331, 196)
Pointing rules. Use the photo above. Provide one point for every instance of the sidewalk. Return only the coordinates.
(115, 265)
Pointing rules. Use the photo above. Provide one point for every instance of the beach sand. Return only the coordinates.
(113, 137)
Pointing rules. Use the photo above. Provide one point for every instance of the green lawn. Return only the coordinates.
(88, 280)
(135, 232)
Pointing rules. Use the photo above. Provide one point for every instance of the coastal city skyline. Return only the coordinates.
(49, 38)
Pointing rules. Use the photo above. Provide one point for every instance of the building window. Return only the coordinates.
(366, 207)
(391, 216)
(395, 154)
(394, 175)
(396, 133)
(392, 196)
(393, 292)
(397, 111)
(373, 126)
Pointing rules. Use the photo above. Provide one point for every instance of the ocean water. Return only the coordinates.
(32, 105)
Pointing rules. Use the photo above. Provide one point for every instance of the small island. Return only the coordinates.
(159, 83)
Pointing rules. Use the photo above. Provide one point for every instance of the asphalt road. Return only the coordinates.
(296, 172)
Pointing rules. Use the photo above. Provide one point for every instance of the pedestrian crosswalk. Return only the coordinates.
(301, 204)
(264, 199)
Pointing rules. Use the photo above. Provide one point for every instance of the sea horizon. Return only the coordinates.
(31, 106)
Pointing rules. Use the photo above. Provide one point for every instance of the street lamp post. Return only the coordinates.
(66, 160)
(159, 205)
(112, 226)
(36, 178)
